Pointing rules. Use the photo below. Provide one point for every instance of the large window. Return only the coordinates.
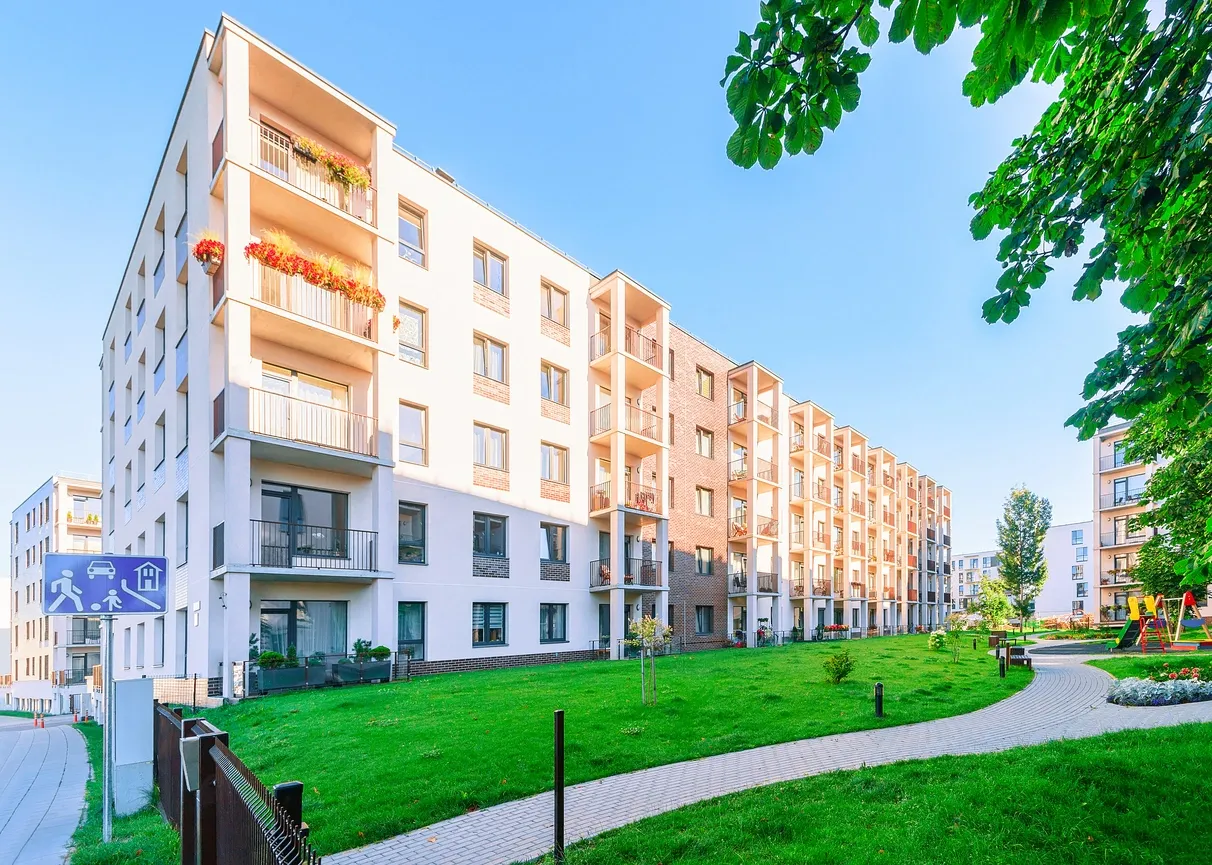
(412, 534)
(704, 442)
(1076, 536)
(412, 434)
(412, 235)
(489, 447)
(553, 383)
(1083, 590)
(553, 542)
(1083, 553)
(308, 388)
(411, 626)
(704, 620)
(488, 357)
(302, 521)
(704, 501)
(553, 463)
(1077, 571)
(553, 623)
(309, 626)
(411, 334)
(704, 561)
(488, 624)
(704, 383)
(488, 535)
(553, 304)
(1128, 490)
(488, 269)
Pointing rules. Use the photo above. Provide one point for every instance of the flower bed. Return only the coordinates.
(1167, 692)
(331, 273)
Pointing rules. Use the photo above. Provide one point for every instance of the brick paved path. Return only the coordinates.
(1067, 700)
(42, 776)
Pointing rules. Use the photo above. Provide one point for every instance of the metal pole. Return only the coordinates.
(558, 848)
(107, 738)
(1001, 666)
(879, 699)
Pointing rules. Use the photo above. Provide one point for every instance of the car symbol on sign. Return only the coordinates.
(100, 569)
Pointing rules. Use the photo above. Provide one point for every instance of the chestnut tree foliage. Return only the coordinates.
(1116, 170)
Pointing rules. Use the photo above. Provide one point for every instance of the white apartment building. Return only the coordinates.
(970, 570)
(52, 657)
(327, 464)
(1119, 484)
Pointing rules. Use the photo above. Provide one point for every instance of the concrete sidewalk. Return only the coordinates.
(42, 777)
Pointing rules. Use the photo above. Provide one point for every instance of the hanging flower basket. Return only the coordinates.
(209, 252)
(332, 274)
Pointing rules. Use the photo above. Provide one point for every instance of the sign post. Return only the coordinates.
(107, 586)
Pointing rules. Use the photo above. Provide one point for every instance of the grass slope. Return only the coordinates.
(141, 838)
(1099, 800)
(380, 760)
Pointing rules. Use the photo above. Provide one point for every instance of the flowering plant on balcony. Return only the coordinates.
(341, 169)
(277, 251)
(395, 322)
(209, 250)
(835, 628)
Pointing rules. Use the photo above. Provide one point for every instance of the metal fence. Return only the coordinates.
(166, 746)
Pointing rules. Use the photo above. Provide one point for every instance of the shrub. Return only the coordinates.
(838, 666)
(292, 657)
(937, 640)
(380, 653)
(361, 649)
(315, 659)
(1145, 692)
(271, 660)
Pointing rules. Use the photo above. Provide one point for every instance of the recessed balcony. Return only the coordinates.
(1121, 539)
(856, 465)
(797, 491)
(889, 517)
(641, 573)
(293, 294)
(1123, 499)
(1118, 577)
(288, 418)
(796, 442)
(821, 446)
(767, 583)
(889, 481)
(292, 546)
(636, 497)
(820, 492)
(1116, 461)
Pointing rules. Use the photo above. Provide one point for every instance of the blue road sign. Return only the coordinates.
(104, 585)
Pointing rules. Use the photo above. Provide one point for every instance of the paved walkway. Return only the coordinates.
(1067, 700)
(42, 775)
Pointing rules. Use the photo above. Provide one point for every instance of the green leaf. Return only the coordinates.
(740, 98)
(770, 151)
(743, 146)
(848, 96)
(982, 224)
(744, 45)
(813, 136)
(868, 29)
(732, 64)
(902, 21)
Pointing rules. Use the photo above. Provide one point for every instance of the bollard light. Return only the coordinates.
(879, 699)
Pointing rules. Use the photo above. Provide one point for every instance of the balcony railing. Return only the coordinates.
(931, 565)
(599, 344)
(641, 497)
(821, 588)
(599, 497)
(796, 442)
(765, 413)
(946, 540)
(839, 546)
(931, 597)
(913, 594)
(912, 560)
(856, 464)
(641, 422)
(870, 510)
(797, 537)
(857, 548)
(889, 481)
(767, 471)
(297, 295)
(643, 347)
(767, 528)
(738, 469)
(599, 420)
(930, 534)
(912, 492)
(82, 634)
(1115, 461)
(738, 526)
(636, 572)
(930, 503)
(821, 445)
(820, 539)
(911, 526)
(1116, 539)
(1119, 577)
(290, 545)
(286, 417)
(856, 506)
(738, 411)
(274, 154)
(797, 587)
(820, 492)
(1121, 499)
(889, 517)
(889, 556)
(797, 490)
(767, 582)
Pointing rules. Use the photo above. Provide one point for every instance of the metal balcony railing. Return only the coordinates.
(738, 527)
(857, 548)
(797, 587)
(1120, 499)
(765, 413)
(767, 528)
(797, 537)
(599, 344)
(1116, 539)
(286, 417)
(889, 556)
(821, 588)
(796, 442)
(911, 492)
(856, 464)
(1115, 461)
(889, 481)
(768, 582)
(738, 411)
(641, 422)
(1118, 577)
(821, 445)
(889, 517)
(797, 490)
(297, 295)
(930, 535)
(643, 347)
(767, 471)
(275, 154)
(911, 526)
(738, 469)
(599, 420)
(820, 492)
(85, 634)
(946, 540)
(291, 545)
(636, 572)
(856, 506)
(820, 539)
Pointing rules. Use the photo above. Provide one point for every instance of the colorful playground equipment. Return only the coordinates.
(1158, 622)
(1188, 616)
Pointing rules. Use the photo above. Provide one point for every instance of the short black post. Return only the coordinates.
(1001, 666)
(974, 642)
(879, 699)
(558, 848)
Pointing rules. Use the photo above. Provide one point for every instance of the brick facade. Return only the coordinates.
(553, 330)
(497, 479)
(490, 566)
(491, 388)
(554, 491)
(554, 411)
(558, 571)
(687, 529)
(489, 299)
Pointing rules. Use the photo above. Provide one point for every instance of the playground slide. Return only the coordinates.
(1129, 635)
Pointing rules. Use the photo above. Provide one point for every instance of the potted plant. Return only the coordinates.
(279, 672)
(208, 250)
(377, 667)
(316, 674)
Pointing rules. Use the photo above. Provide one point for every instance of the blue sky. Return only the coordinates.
(602, 128)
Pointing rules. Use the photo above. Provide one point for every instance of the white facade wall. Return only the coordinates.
(1072, 584)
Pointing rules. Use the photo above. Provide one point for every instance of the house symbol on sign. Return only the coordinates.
(148, 577)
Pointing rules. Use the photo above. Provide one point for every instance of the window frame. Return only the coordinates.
(699, 610)
(698, 494)
(485, 605)
(476, 458)
(548, 607)
(708, 562)
(423, 447)
(423, 509)
(548, 374)
(703, 434)
(547, 450)
(488, 519)
(422, 231)
(486, 254)
(423, 363)
(702, 375)
(548, 290)
(482, 344)
(545, 542)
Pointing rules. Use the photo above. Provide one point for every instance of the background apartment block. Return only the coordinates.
(52, 656)
(319, 471)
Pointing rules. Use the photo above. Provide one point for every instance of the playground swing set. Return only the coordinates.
(1158, 623)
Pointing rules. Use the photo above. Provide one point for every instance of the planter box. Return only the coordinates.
(281, 679)
(317, 675)
(376, 671)
(346, 674)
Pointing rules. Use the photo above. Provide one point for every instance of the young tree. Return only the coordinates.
(991, 604)
(1020, 538)
(650, 637)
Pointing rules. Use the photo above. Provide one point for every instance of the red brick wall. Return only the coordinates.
(688, 530)
(491, 388)
(554, 491)
(553, 410)
(484, 476)
(553, 330)
(489, 299)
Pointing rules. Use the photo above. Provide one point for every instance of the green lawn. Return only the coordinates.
(380, 760)
(1139, 667)
(1098, 801)
(10, 713)
(142, 837)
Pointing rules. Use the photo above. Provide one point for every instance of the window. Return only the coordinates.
(704, 383)
(704, 620)
(1076, 572)
(1079, 606)
(553, 304)
(553, 383)
(488, 535)
(301, 521)
(1128, 490)
(1083, 590)
(704, 442)
(412, 534)
(489, 447)
(158, 641)
(412, 235)
(412, 434)
(553, 542)
(553, 463)
(410, 621)
(671, 365)
(309, 626)
(489, 358)
(671, 430)
(704, 561)
(553, 623)
(488, 269)
(1083, 553)
(411, 335)
(1076, 536)
(488, 624)
(704, 501)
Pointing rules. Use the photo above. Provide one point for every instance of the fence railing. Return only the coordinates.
(636, 572)
(643, 347)
(289, 545)
(286, 417)
(253, 824)
(274, 153)
(295, 294)
(642, 422)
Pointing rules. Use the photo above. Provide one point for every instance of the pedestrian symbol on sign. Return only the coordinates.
(67, 591)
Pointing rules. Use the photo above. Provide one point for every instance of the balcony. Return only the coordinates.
(643, 348)
(84, 518)
(738, 412)
(889, 517)
(856, 506)
(820, 539)
(1120, 539)
(767, 527)
(767, 471)
(946, 569)
(636, 572)
(821, 445)
(911, 527)
(285, 417)
(84, 633)
(912, 595)
(839, 546)
(931, 597)
(911, 491)
(946, 540)
(599, 420)
(930, 502)
(637, 497)
(738, 527)
(274, 154)
(856, 465)
(295, 295)
(946, 597)
(291, 545)
(738, 469)
(930, 535)
(857, 548)
(796, 587)
(796, 442)
(912, 560)
(767, 583)
(889, 556)
(1118, 577)
(1120, 499)
(1111, 462)
(821, 588)
(820, 492)
(931, 566)
(642, 423)
(889, 481)
(797, 538)
(797, 490)
(765, 413)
